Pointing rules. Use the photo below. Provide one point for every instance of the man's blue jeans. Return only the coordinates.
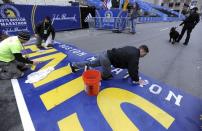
(101, 60)
(133, 23)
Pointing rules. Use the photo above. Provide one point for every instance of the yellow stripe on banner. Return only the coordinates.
(125, 5)
(62, 93)
(42, 52)
(33, 48)
(109, 101)
(54, 76)
(70, 123)
(55, 59)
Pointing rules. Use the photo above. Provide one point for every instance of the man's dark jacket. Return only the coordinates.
(40, 30)
(126, 58)
(191, 21)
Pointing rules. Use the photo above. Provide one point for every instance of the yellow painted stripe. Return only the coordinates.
(70, 123)
(62, 93)
(55, 59)
(110, 100)
(31, 47)
(54, 76)
(42, 53)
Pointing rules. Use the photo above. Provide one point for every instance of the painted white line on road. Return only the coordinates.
(164, 29)
(24, 113)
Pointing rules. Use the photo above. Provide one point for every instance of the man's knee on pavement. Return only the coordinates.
(5, 75)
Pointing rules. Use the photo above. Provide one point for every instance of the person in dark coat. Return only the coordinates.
(189, 23)
(45, 33)
(126, 58)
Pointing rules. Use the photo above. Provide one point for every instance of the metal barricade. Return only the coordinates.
(112, 23)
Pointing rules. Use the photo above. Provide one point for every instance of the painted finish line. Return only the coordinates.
(59, 102)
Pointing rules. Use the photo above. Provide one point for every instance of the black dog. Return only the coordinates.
(173, 35)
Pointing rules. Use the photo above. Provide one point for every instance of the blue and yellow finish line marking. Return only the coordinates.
(59, 102)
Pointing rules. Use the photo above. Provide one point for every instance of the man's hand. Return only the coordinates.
(36, 62)
(140, 82)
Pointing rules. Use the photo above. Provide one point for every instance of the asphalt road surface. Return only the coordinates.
(175, 65)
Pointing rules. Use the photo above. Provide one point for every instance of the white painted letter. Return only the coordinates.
(117, 70)
(156, 92)
(177, 98)
(91, 58)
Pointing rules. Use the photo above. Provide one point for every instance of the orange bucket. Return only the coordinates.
(92, 80)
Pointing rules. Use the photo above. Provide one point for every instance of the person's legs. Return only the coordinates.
(22, 66)
(10, 71)
(188, 36)
(38, 41)
(81, 65)
(48, 41)
(182, 34)
(102, 60)
(106, 66)
(133, 26)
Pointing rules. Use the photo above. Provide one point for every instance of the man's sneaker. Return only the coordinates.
(106, 77)
(185, 44)
(177, 41)
(133, 33)
(74, 69)
(50, 45)
(87, 67)
(41, 47)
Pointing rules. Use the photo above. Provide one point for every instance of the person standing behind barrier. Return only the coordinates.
(189, 23)
(45, 33)
(133, 15)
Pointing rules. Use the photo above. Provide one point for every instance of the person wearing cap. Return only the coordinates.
(189, 24)
(126, 58)
(12, 62)
(45, 33)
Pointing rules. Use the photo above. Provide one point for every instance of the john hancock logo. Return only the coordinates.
(9, 11)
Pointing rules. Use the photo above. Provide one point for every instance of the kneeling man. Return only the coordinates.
(126, 58)
(12, 62)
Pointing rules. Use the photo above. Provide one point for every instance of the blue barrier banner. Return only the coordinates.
(108, 19)
(59, 101)
(14, 18)
(63, 17)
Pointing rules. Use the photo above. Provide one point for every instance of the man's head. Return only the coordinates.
(194, 10)
(24, 36)
(144, 50)
(47, 20)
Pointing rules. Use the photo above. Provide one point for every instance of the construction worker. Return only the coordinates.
(12, 62)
